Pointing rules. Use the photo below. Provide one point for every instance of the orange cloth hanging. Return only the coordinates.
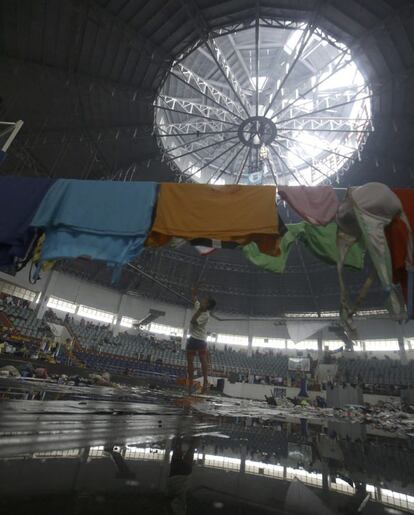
(398, 238)
(229, 213)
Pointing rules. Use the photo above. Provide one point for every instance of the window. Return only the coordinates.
(311, 314)
(144, 453)
(266, 469)
(310, 478)
(371, 312)
(233, 339)
(305, 345)
(333, 344)
(330, 314)
(61, 305)
(16, 291)
(271, 343)
(67, 453)
(96, 452)
(167, 330)
(128, 322)
(404, 501)
(342, 486)
(381, 345)
(96, 314)
(222, 462)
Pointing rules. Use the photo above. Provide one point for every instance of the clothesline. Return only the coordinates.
(332, 187)
(112, 221)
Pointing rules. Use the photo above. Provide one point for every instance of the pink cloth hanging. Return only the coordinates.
(315, 204)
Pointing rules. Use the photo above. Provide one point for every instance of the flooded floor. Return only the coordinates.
(80, 450)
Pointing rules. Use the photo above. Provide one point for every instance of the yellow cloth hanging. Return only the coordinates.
(46, 265)
(228, 213)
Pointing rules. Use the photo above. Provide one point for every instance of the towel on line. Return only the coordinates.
(321, 241)
(317, 204)
(20, 197)
(103, 220)
(240, 214)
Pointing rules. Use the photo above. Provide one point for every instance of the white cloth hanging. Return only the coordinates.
(299, 331)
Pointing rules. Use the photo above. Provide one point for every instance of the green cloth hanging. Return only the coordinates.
(320, 240)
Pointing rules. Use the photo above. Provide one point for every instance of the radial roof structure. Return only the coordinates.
(275, 102)
(218, 91)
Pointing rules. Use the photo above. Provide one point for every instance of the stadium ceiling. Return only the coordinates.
(89, 79)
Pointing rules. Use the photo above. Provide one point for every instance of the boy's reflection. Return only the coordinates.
(179, 479)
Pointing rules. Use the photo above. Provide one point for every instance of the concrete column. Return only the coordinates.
(326, 480)
(243, 454)
(117, 325)
(33, 305)
(44, 297)
(250, 340)
(186, 326)
(84, 454)
(403, 354)
(165, 469)
(320, 346)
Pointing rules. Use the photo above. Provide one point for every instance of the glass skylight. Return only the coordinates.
(274, 103)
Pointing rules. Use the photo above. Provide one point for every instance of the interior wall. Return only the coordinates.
(70, 288)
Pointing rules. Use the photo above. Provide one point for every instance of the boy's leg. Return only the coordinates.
(188, 457)
(204, 367)
(190, 370)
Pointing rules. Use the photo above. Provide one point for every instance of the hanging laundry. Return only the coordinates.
(204, 246)
(103, 220)
(301, 330)
(399, 236)
(214, 244)
(363, 216)
(321, 241)
(37, 264)
(239, 214)
(19, 199)
(275, 264)
(317, 204)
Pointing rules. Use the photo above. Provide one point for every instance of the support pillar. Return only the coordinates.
(117, 325)
(250, 340)
(326, 479)
(44, 297)
(186, 327)
(165, 469)
(403, 354)
(320, 346)
(243, 454)
(378, 494)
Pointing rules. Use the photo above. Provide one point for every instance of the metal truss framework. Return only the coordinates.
(303, 111)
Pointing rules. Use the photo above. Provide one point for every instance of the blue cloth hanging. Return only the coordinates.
(20, 198)
(103, 220)
(98, 207)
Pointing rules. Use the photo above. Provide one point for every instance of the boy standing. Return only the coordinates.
(198, 339)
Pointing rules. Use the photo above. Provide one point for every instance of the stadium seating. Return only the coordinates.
(25, 321)
(376, 371)
(143, 347)
(143, 353)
